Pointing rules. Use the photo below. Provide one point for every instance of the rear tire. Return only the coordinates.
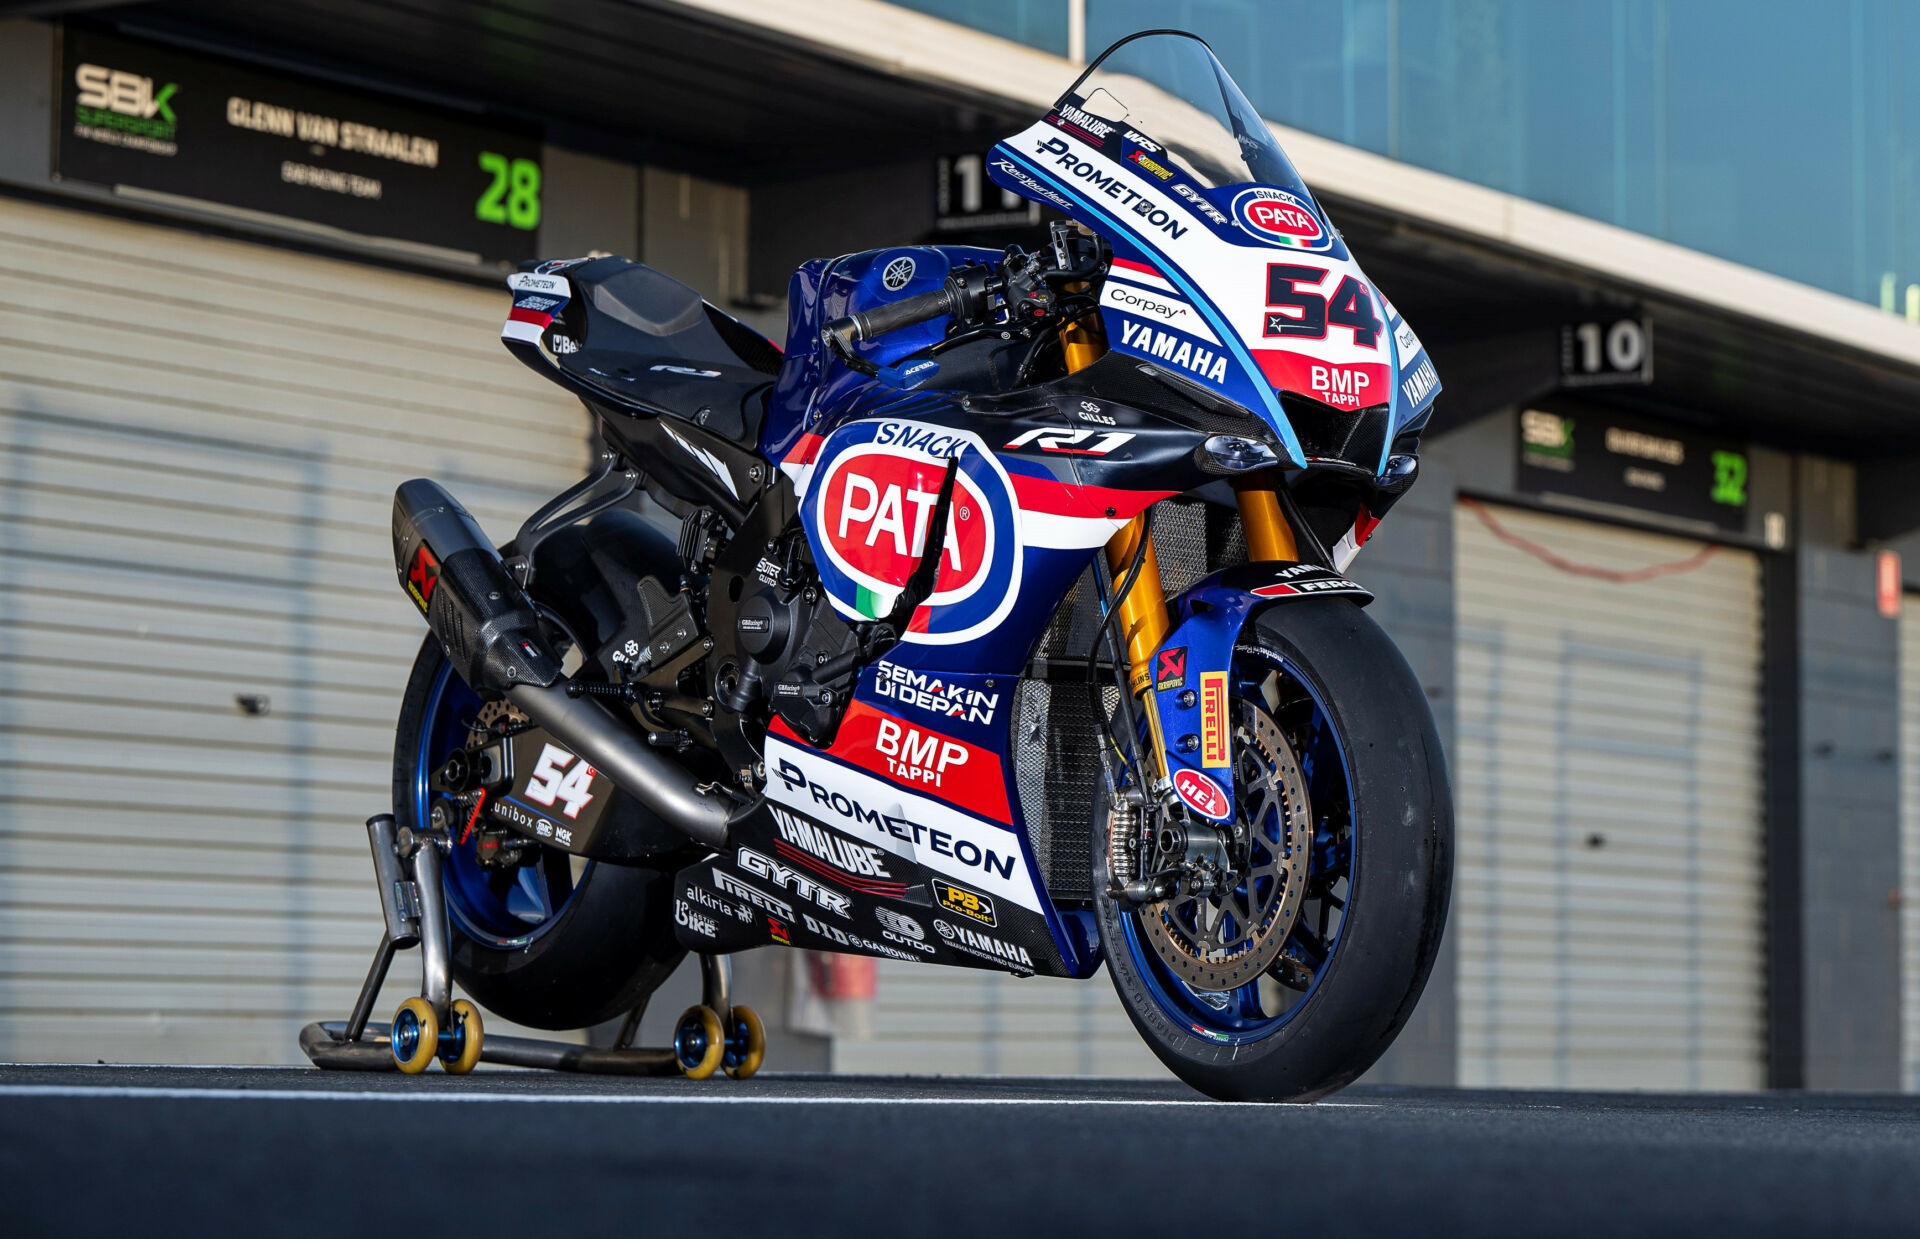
(1398, 881)
(611, 943)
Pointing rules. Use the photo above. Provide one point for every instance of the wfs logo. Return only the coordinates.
(869, 513)
(127, 102)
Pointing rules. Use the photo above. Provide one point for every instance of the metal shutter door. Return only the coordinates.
(1910, 842)
(1626, 713)
(201, 441)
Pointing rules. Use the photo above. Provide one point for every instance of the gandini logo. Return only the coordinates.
(1277, 217)
(898, 272)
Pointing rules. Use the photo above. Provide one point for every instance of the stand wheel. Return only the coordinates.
(698, 1043)
(416, 1035)
(746, 1043)
(463, 1039)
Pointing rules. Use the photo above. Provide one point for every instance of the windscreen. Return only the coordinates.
(1226, 270)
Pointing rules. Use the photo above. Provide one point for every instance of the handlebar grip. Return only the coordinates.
(907, 312)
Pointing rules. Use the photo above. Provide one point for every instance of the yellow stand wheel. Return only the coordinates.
(746, 1043)
(465, 1036)
(698, 1043)
(416, 1035)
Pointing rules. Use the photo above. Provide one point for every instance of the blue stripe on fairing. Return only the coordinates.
(1256, 377)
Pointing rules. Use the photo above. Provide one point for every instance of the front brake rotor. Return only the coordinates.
(1222, 942)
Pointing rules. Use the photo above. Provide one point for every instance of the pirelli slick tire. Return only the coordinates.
(1316, 1018)
(607, 940)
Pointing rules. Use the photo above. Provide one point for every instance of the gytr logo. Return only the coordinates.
(128, 102)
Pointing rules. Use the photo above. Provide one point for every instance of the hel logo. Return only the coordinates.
(916, 756)
(1279, 218)
(422, 576)
(1213, 718)
(1201, 793)
(876, 509)
(1170, 669)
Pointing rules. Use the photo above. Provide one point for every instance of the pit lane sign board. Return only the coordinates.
(148, 120)
(1633, 462)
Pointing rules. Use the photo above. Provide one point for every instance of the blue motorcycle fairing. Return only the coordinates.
(1197, 658)
(811, 378)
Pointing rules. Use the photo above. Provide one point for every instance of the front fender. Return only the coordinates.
(1193, 671)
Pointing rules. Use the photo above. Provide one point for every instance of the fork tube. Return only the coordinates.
(1143, 612)
(1269, 535)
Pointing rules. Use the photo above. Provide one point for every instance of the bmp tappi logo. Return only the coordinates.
(117, 99)
(1276, 217)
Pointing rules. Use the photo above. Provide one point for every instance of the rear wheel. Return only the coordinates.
(559, 943)
(1296, 973)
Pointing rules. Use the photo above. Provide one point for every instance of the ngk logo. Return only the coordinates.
(876, 513)
(916, 756)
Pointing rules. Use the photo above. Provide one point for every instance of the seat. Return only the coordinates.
(653, 347)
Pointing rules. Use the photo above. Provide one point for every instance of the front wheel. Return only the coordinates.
(1292, 977)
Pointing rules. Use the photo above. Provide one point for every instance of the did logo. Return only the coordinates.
(1276, 217)
(869, 512)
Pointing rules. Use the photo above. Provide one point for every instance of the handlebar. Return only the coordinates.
(893, 316)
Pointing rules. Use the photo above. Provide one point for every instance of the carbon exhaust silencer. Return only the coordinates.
(490, 632)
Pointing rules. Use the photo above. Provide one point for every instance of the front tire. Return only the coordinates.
(1381, 874)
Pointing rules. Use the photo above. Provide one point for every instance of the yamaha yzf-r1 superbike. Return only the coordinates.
(1000, 621)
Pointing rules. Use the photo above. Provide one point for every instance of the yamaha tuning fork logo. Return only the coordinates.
(869, 513)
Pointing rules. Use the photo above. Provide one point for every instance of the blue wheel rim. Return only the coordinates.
(502, 914)
(1324, 767)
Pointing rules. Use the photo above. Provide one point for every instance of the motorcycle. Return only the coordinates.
(864, 645)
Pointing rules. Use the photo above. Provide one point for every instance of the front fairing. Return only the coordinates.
(1227, 271)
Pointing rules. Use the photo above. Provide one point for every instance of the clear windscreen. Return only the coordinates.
(1170, 88)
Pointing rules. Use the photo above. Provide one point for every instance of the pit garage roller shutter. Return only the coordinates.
(1910, 843)
(1608, 887)
(201, 438)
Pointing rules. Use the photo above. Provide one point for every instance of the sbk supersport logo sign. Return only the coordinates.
(868, 511)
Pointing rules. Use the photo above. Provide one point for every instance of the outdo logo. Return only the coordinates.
(1201, 793)
(869, 514)
(1277, 217)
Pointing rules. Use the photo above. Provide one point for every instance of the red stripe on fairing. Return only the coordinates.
(1141, 267)
(870, 886)
(1056, 498)
(804, 450)
(518, 315)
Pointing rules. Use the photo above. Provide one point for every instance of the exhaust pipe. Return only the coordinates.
(491, 634)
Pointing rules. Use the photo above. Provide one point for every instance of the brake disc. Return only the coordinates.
(1222, 942)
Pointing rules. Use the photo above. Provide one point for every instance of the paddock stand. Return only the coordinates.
(712, 1036)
